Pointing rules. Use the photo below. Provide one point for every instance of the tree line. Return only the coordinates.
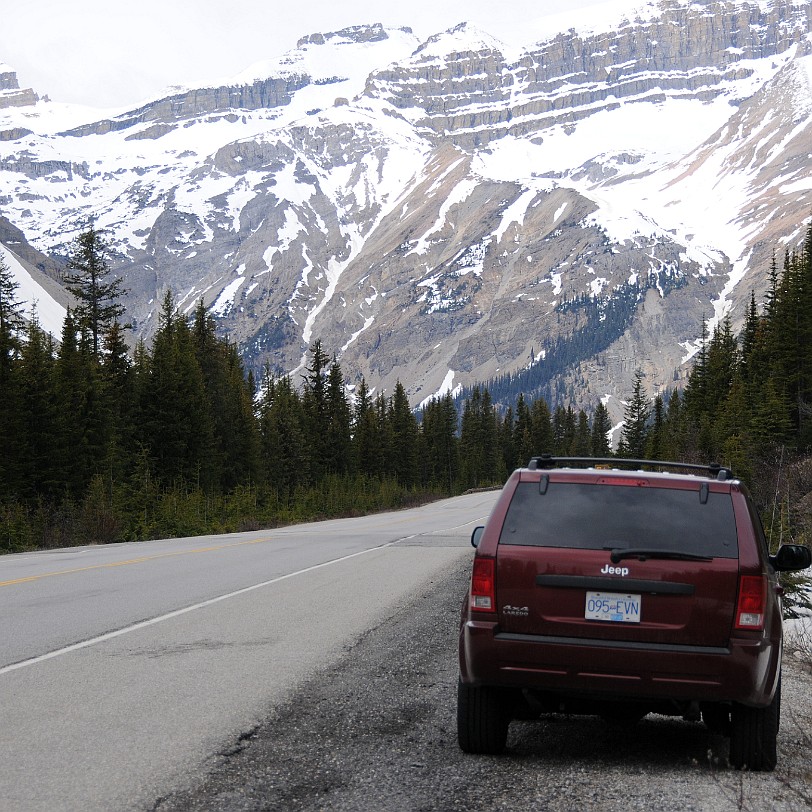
(100, 444)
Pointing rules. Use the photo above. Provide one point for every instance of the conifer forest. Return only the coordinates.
(103, 444)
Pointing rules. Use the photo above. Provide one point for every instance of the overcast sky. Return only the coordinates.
(110, 53)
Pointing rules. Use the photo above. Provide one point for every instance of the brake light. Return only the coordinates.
(483, 585)
(634, 482)
(752, 602)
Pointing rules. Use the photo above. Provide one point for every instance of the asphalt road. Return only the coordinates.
(126, 671)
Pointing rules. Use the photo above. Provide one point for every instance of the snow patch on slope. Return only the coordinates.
(34, 300)
(459, 194)
(225, 301)
(446, 387)
(515, 213)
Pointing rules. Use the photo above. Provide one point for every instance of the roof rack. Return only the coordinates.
(547, 461)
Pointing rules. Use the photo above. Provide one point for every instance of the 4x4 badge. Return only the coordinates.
(609, 570)
(518, 611)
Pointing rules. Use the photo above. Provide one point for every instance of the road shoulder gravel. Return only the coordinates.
(377, 731)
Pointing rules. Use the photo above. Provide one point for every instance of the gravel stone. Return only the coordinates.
(377, 731)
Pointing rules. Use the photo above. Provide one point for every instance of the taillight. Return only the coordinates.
(483, 585)
(752, 602)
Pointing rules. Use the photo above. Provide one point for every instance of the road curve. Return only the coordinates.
(125, 669)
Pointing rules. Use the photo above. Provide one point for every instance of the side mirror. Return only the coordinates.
(476, 536)
(791, 557)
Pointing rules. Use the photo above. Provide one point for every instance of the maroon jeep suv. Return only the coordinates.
(619, 588)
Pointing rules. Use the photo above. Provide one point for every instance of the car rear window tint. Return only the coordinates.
(594, 516)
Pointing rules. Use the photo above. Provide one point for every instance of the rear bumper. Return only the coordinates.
(745, 672)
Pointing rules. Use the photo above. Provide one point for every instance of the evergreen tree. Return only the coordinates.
(284, 450)
(338, 442)
(541, 432)
(11, 418)
(78, 446)
(177, 421)
(772, 290)
(441, 444)
(636, 417)
(721, 362)
(404, 437)
(241, 463)
(673, 443)
(791, 338)
(230, 404)
(367, 453)
(478, 440)
(563, 430)
(694, 396)
(770, 424)
(804, 343)
(601, 426)
(119, 391)
(582, 442)
(11, 316)
(523, 432)
(448, 443)
(507, 443)
(655, 439)
(38, 470)
(748, 337)
(89, 280)
(385, 435)
(488, 438)
(733, 417)
(314, 401)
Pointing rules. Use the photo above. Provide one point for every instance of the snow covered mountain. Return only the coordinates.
(448, 211)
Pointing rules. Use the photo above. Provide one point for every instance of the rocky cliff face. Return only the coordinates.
(447, 212)
(688, 51)
(260, 95)
(222, 102)
(10, 93)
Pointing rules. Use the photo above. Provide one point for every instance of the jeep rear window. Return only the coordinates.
(595, 516)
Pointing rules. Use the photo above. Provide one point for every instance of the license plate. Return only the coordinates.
(612, 606)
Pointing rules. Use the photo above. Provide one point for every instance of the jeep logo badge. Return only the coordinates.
(607, 570)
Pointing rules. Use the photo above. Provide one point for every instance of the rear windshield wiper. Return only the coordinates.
(619, 553)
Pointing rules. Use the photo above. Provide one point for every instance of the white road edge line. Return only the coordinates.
(178, 612)
(458, 527)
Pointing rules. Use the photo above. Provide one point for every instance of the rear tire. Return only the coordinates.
(482, 719)
(754, 734)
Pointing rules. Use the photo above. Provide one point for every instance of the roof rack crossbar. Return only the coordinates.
(546, 461)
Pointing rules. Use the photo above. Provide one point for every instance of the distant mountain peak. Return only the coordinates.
(374, 32)
(460, 38)
(11, 95)
(322, 56)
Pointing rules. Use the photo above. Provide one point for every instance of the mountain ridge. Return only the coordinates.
(433, 219)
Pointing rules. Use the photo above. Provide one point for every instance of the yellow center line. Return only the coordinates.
(140, 560)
